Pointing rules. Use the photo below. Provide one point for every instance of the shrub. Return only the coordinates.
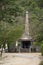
(41, 63)
(42, 49)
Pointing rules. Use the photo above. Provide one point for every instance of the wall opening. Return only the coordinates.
(26, 44)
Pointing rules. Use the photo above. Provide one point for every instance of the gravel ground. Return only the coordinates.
(20, 59)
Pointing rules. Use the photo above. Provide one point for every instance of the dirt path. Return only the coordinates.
(20, 59)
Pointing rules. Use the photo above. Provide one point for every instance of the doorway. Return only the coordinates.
(26, 44)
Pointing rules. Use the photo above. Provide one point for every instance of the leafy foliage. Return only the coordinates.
(12, 14)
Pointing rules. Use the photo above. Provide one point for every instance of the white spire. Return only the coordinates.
(27, 24)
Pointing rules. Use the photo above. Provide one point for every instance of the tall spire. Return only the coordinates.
(25, 35)
(27, 24)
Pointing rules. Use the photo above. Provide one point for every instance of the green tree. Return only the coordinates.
(12, 14)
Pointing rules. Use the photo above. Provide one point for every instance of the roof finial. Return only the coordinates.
(26, 12)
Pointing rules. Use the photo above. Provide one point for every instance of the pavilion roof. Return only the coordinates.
(25, 37)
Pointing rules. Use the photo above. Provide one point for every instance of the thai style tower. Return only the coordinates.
(26, 39)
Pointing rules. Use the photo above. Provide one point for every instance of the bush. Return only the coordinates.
(42, 49)
(41, 63)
